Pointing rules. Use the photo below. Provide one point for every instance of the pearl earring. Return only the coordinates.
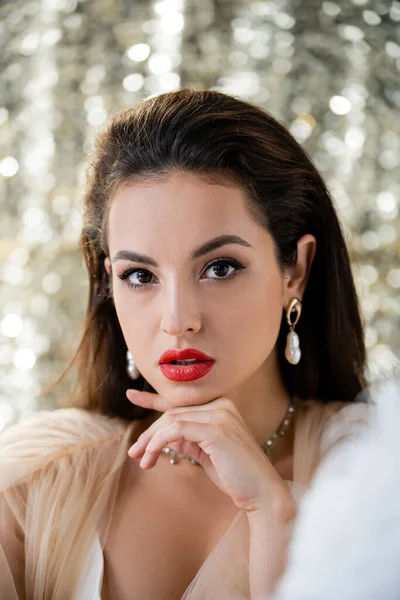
(292, 350)
(131, 368)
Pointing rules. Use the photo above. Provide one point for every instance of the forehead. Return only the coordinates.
(181, 210)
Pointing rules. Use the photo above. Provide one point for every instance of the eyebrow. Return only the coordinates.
(213, 244)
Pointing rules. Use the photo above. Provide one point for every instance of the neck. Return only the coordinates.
(263, 401)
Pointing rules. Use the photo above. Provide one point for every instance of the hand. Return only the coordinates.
(215, 435)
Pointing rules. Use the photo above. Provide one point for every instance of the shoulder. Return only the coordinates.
(321, 415)
(320, 425)
(334, 421)
(345, 423)
(338, 411)
(49, 436)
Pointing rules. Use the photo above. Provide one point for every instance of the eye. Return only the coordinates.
(221, 266)
(127, 277)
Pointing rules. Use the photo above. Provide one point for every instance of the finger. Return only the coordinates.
(199, 433)
(138, 448)
(148, 400)
(156, 402)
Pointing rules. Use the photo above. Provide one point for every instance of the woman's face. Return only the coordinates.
(226, 302)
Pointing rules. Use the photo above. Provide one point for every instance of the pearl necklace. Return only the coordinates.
(175, 456)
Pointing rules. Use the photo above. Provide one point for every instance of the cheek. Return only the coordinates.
(265, 318)
(256, 317)
(127, 316)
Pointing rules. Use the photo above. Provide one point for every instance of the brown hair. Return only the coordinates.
(221, 137)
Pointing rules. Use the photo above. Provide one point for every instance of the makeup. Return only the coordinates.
(172, 364)
(189, 372)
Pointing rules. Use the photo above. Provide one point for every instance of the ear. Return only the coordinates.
(107, 265)
(295, 281)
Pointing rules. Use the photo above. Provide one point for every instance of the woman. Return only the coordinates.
(209, 237)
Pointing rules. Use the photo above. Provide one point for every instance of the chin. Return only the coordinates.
(188, 397)
(183, 399)
(190, 393)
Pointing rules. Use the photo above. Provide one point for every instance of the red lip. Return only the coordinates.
(187, 373)
(185, 354)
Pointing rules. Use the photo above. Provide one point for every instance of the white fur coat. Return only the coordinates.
(346, 542)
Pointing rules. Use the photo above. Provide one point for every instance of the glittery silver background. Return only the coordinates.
(329, 70)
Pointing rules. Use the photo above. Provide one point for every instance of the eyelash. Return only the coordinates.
(228, 261)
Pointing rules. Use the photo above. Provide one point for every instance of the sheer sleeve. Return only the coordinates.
(59, 474)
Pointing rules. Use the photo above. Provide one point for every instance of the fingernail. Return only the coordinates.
(144, 460)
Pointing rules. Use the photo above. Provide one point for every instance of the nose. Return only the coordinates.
(179, 311)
